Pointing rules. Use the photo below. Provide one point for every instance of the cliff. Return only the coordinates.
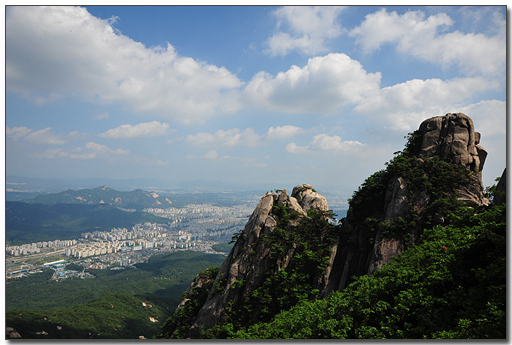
(291, 250)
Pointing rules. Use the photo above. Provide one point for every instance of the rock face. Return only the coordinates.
(501, 189)
(453, 137)
(11, 333)
(249, 258)
(358, 250)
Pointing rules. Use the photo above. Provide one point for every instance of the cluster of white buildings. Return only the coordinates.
(36, 247)
(203, 211)
(90, 250)
(141, 236)
(186, 225)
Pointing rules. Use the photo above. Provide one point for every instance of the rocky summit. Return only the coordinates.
(251, 257)
(291, 247)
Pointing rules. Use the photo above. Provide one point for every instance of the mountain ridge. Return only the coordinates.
(290, 252)
(137, 199)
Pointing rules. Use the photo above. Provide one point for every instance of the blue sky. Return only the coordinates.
(261, 95)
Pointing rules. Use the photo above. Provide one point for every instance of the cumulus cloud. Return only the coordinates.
(403, 106)
(16, 132)
(42, 136)
(93, 150)
(78, 53)
(212, 154)
(325, 142)
(428, 39)
(295, 149)
(282, 132)
(322, 86)
(310, 26)
(147, 129)
(228, 138)
(247, 138)
(89, 151)
(51, 154)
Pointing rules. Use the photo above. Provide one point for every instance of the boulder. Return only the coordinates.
(309, 199)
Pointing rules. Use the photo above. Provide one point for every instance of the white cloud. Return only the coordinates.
(489, 118)
(212, 154)
(310, 27)
(93, 150)
(228, 138)
(325, 84)
(295, 149)
(283, 132)
(403, 106)
(147, 129)
(51, 154)
(428, 40)
(324, 142)
(42, 136)
(16, 132)
(248, 138)
(78, 53)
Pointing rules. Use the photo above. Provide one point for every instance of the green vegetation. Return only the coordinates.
(312, 241)
(431, 176)
(310, 244)
(112, 316)
(222, 247)
(451, 285)
(26, 223)
(163, 277)
(84, 309)
(181, 321)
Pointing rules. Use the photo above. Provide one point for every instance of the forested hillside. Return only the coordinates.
(83, 306)
(421, 254)
(450, 286)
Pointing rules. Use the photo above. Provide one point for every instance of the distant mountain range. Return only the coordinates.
(137, 199)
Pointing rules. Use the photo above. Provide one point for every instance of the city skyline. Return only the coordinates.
(263, 95)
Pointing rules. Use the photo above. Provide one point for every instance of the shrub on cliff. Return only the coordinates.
(451, 285)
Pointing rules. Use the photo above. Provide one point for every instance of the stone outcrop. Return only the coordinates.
(358, 250)
(249, 258)
(453, 137)
(500, 196)
(11, 333)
